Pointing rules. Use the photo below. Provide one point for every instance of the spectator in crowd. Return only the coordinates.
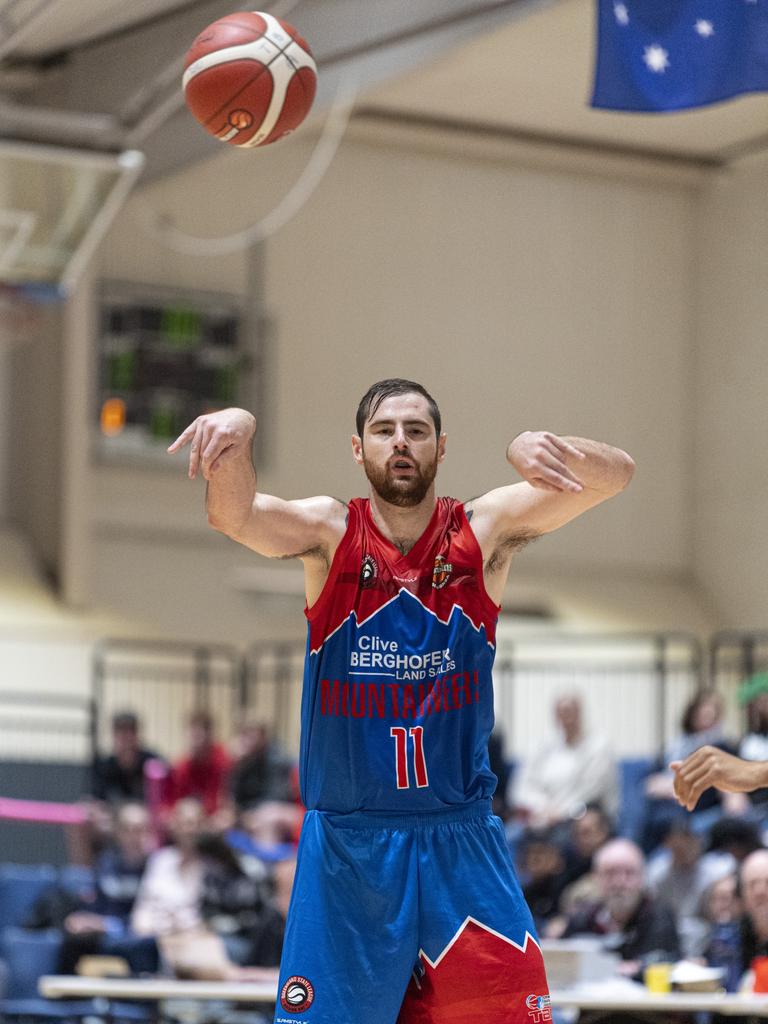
(734, 836)
(267, 936)
(680, 876)
(120, 775)
(268, 831)
(170, 893)
(235, 893)
(567, 773)
(701, 724)
(721, 912)
(500, 767)
(100, 924)
(204, 773)
(588, 833)
(541, 874)
(638, 927)
(262, 772)
(753, 879)
(721, 901)
(202, 904)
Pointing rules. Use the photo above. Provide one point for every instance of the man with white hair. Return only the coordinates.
(754, 894)
(567, 773)
(639, 928)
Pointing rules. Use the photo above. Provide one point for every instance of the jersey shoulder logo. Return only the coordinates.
(441, 572)
(369, 570)
(297, 994)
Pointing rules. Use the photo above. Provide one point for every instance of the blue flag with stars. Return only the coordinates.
(657, 55)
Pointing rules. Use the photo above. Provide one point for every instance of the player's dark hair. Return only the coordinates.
(376, 394)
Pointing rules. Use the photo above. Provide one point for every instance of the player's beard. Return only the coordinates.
(404, 492)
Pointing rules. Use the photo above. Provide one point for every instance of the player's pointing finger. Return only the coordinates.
(182, 439)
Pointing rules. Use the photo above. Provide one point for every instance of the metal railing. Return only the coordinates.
(164, 682)
(636, 686)
(633, 687)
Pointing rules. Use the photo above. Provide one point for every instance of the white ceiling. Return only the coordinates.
(529, 75)
(60, 24)
(534, 75)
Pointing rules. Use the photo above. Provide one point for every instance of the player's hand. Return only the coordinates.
(540, 458)
(215, 437)
(710, 766)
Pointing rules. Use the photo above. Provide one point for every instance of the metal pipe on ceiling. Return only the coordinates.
(18, 31)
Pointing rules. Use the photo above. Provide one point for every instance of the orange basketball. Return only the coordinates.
(249, 79)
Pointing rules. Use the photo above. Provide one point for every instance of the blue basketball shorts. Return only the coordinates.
(409, 919)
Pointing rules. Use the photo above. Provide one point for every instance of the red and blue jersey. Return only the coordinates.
(397, 705)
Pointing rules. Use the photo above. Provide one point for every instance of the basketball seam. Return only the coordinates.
(301, 83)
(246, 85)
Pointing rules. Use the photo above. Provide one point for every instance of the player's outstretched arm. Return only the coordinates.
(710, 766)
(220, 446)
(563, 477)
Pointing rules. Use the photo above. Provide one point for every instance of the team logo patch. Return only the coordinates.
(368, 571)
(297, 994)
(539, 1008)
(441, 572)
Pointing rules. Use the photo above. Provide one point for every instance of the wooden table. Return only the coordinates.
(155, 990)
(599, 996)
(595, 996)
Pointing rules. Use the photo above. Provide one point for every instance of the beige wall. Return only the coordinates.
(522, 296)
(731, 388)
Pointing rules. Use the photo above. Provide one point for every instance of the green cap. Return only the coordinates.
(753, 687)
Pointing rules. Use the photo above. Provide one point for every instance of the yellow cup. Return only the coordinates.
(657, 977)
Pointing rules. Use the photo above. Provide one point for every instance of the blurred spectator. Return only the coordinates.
(721, 902)
(638, 927)
(733, 948)
(588, 833)
(721, 912)
(267, 936)
(500, 768)
(120, 775)
(170, 893)
(567, 773)
(204, 772)
(100, 925)
(679, 877)
(235, 892)
(541, 873)
(753, 879)
(262, 771)
(734, 836)
(701, 724)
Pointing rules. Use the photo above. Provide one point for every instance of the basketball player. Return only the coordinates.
(709, 766)
(405, 906)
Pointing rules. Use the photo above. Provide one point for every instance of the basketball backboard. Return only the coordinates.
(55, 206)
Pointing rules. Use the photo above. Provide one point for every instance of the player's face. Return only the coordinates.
(400, 451)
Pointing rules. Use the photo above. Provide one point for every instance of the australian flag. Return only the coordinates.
(657, 55)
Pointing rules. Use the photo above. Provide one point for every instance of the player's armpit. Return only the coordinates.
(521, 512)
(507, 546)
(306, 528)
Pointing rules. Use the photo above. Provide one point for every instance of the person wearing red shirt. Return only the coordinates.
(204, 772)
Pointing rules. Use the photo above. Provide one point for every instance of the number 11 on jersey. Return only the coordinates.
(400, 734)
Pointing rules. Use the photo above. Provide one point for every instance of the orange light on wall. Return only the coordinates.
(112, 417)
